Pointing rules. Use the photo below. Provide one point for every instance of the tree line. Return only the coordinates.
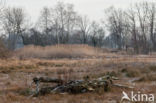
(134, 27)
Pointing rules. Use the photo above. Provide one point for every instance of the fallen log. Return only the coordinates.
(77, 86)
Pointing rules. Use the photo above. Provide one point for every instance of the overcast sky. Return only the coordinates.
(94, 9)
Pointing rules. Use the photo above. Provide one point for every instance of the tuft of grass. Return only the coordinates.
(25, 92)
(132, 74)
(153, 68)
(124, 70)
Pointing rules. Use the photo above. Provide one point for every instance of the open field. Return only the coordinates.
(16, 75)
(66, 51)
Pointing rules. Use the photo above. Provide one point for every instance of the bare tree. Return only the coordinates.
(142, 13)
(97, 34)
(71, 19)
(56, 26)
(45, 21)
(116, 25)
(2, 7)
(101, 36)
(132, 19)
(152, 24)
(84, 26)
(14, 24)
(64, 19)
(94, 30)
(60, 14)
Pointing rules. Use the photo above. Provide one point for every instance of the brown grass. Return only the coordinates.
(57, 51)
(16, 76)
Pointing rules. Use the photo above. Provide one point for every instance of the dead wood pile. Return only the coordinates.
(74, 86)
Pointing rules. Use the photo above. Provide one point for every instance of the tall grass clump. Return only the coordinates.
(57, 51)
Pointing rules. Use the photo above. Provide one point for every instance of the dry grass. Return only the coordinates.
(16, 76)
(57, 51)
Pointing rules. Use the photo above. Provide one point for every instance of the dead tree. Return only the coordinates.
(72, 86)
(75, 86)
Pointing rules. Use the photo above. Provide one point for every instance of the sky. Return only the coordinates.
(94, 9)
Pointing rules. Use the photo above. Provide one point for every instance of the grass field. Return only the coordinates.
(16, 74)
